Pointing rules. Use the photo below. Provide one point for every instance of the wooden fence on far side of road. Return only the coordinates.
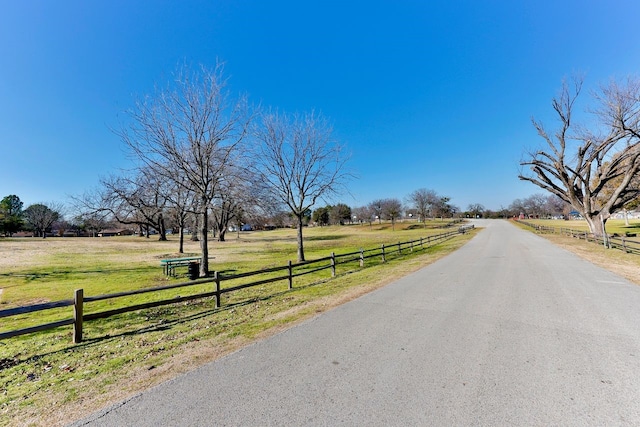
(611, 241)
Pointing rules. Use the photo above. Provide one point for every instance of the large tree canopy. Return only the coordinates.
(41, 217)
(593, 168)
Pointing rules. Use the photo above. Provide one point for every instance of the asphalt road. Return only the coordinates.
(509, 330)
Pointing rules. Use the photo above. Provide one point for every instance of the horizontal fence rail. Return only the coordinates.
(281, 273)
(612, 241)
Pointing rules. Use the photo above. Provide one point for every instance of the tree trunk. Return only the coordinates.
(194, 232)
(300, 242)
(181, 239)
(204, 245)
(162, 229)
(597, 224)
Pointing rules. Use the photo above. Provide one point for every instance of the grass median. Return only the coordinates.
(46, 380)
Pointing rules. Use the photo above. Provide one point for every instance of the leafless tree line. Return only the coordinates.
(205, 161)
(421, 205)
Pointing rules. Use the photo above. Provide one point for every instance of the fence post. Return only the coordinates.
(78, 303)
(624, 244)
(421, 243)
(361, 257)
(383, 259)
(399, 247)
(333, 264)
(411, 246)
(290, 275)
(216, 277)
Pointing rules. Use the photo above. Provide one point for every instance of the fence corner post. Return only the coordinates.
(290, 275)
(216, 278)
(78, 307)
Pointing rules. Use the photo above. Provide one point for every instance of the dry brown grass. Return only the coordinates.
(614, 260)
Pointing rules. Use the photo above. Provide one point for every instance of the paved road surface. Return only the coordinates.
(509, 330)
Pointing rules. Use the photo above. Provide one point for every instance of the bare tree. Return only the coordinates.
(137, 201)
(554, 205)
(364, 214)
(375, 207)
(475, 210)
(186, 135)
(581, 165)
(423, 201)
(535, 205)
(182, 201)
(391, 210)
(300, 162)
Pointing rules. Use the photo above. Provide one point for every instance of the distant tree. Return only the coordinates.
(340, 214)
(186, 134)
(363, 214)
(300, 163)
(239, 193)
(423, 201)
(140, 201)
(11, 215)
(40, 217)
(535, 205)
(181, 207)
(442, 207)
(581, 165)
(375, 207)
(475, 210)
(554, 205)
(391, 210)
(321, 215)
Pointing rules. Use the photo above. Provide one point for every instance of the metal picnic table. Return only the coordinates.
(169, 265)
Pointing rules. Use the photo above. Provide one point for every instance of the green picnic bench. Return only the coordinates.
(169, 265)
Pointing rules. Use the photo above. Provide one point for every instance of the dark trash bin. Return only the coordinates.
(194, 270)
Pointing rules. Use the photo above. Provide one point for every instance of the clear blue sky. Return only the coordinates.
(433, 94)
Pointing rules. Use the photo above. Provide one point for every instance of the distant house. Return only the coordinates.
(23, 234)
(110, 232)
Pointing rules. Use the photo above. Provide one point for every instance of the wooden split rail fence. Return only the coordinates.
(614, 241)
(275, 274)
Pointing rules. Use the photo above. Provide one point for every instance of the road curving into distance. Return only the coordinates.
(508, 330)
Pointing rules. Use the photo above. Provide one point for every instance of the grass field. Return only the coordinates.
(45, 380)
